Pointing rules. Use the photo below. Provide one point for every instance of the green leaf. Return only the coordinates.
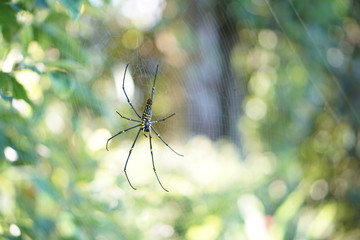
(63, 83)
(73, 6)
(9, 87)
(26, 35)
(8, 22)
(67, 65)
(68, 46)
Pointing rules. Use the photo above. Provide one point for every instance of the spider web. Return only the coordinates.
(182, 79)
(187, 86)
(320, 52)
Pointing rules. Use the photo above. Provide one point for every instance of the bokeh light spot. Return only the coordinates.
(252, 211)
(36, 51)
(53, 54)
(60, 178)
(260, 83)
(166, 42)
(319, 189)
(54, 120)
(14, 230)
(24, 17)
(30, 80)
(10, 154)
(277, 189)
(335, 57)
(209, 230)
(267, 39)
(348, 138)
(13, 57)
(255, 108)
(43, 150)
(22, 106)
(162, 231)
(132, 39)
(144, 14)
(96, 140)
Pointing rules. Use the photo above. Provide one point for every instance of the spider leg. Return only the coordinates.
(127, 98)
(153, 87)
(157, 134)
(153, 163)
(132, 147)
(161, 120)
(129, 119)
(107, 142)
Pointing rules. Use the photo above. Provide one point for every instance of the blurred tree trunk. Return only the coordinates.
(214, 98)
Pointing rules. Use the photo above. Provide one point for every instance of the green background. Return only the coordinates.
(280, 162)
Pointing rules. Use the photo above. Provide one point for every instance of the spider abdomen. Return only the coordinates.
(146, 117)
(146, 126)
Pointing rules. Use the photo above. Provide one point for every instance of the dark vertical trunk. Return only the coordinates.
(215, 102)
(229, 92)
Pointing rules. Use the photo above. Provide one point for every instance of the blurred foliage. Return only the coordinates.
(60, 65)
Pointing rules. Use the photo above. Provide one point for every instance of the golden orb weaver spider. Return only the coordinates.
(145, 124)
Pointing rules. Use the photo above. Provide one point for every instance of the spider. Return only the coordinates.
(145, 124)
